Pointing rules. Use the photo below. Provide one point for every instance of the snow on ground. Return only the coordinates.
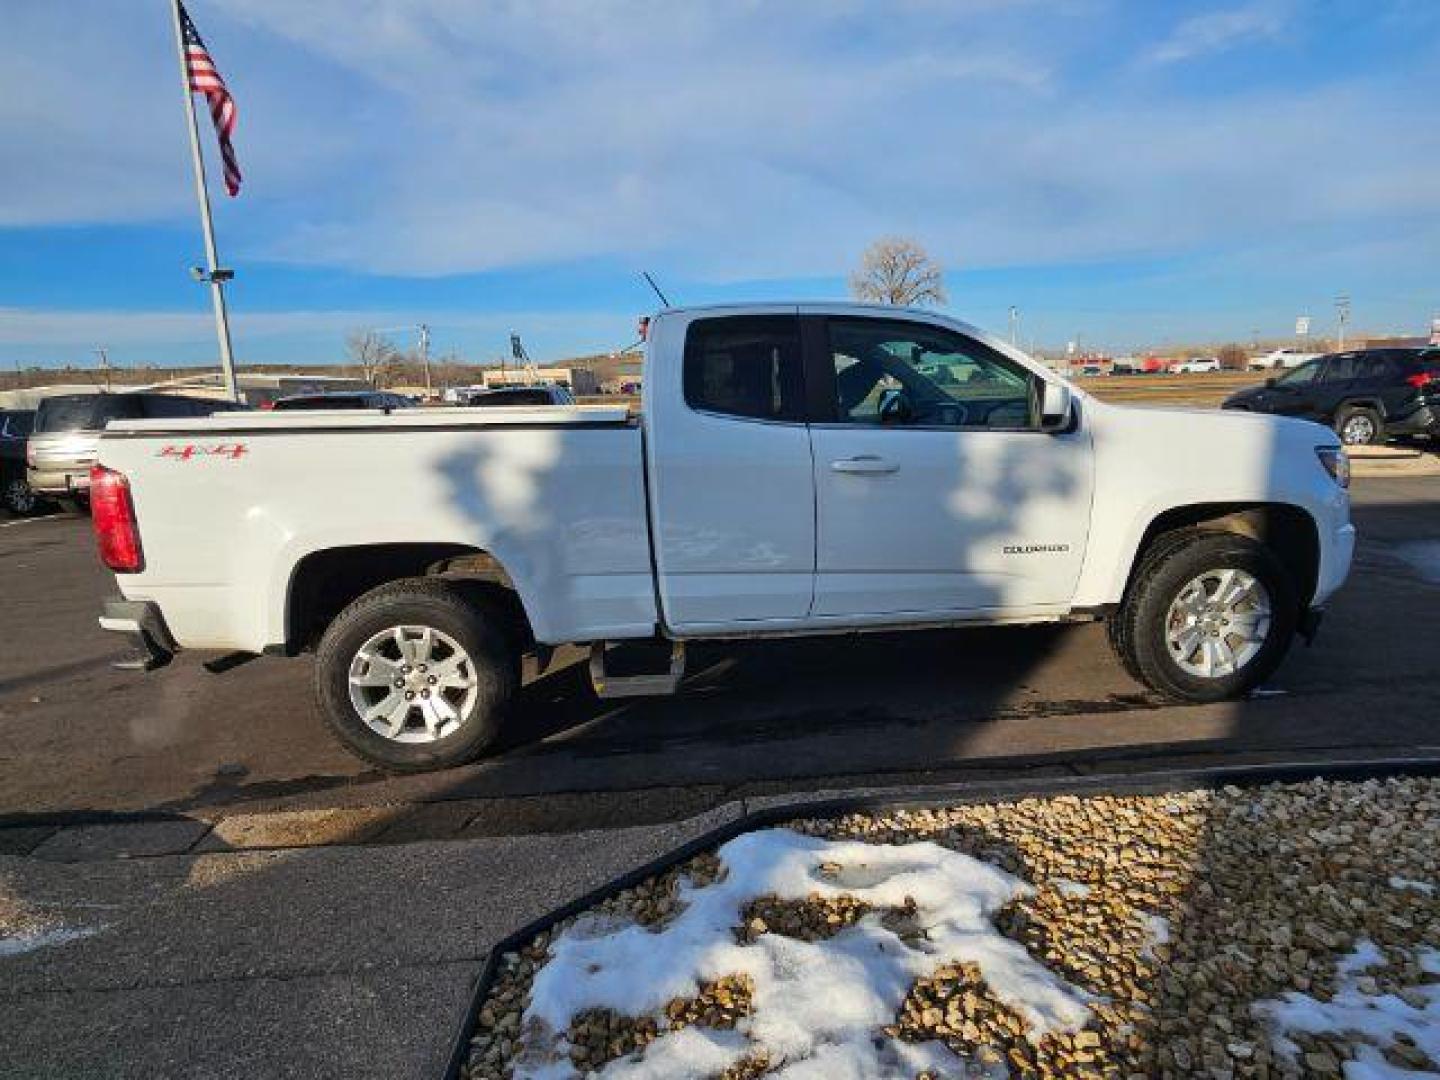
(817, 1006)
(1408, 883)
(31, 940)
(1372, 1020)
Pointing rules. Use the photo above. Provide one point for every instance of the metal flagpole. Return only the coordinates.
(212, 273)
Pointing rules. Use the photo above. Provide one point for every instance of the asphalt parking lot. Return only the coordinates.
(80, 740)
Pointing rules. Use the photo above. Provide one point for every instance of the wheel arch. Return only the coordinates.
(1285, 528)
(324, 582)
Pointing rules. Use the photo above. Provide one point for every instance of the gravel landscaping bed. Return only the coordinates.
(1280, 931)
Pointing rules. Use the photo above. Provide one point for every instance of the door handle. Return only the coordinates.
(865, 465)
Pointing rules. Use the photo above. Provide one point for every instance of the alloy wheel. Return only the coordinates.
(1218, 623)
(412, 684)
(1359, 430)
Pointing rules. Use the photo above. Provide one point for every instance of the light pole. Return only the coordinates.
(104, 365)
(1342, 316)
(1014, 324)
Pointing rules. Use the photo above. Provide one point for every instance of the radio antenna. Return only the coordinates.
(651, 282)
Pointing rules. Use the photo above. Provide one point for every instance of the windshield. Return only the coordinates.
(85, 412)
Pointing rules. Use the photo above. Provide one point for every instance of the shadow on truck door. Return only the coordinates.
(766, 689)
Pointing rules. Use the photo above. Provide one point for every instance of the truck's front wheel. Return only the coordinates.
(415, 675)
(1208, 617)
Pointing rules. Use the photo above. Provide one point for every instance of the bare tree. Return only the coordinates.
(373, 354)
(897, 271)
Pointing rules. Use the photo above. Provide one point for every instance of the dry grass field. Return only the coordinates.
(1171, 389)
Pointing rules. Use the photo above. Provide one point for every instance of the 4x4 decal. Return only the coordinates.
(187, 451)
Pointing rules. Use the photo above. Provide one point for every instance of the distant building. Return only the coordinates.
(1419, 341)
(577, 380)
(629, 378)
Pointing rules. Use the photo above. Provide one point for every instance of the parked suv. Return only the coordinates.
(15, 493)
(1367, 395)
(68, 427)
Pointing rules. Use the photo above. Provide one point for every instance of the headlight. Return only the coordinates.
(1336, 463)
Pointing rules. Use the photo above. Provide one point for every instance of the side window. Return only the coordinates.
(1342, 368)
(900, 373)
(1377, 366)
(1305, 373)
(745, 366)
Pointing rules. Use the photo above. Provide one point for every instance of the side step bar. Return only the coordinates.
(620, 686)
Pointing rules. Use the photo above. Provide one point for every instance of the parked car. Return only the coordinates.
(766, 488)
(522, 395)
(1198, 366)
(344, 399)
(67, 431)
(15, 493)
(1366, 395)
(1281, 358)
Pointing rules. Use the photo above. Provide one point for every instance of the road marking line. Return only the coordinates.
(32, 521)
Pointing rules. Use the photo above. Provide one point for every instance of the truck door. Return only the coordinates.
(732, 500)
(936, 492)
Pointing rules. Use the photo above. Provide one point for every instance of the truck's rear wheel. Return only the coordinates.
(1208, 617)
(415, 675)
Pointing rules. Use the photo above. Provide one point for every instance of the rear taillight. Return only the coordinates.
(1423, 379)
(112, 512)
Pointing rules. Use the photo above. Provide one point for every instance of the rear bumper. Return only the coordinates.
(59, 481)
(1422, 421)
(141, 622)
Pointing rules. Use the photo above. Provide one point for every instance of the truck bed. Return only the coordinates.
(229, 508)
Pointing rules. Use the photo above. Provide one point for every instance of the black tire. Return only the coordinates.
(1359, 425)
(18, 497)
(441, 606)
(1138, 629)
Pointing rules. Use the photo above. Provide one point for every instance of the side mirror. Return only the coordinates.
(1056, 404)
(895, 407)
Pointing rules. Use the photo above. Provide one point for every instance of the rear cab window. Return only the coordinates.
(86, 412)
(746, 366)
(513, 397)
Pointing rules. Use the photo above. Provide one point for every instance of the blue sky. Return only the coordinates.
(1125, 171)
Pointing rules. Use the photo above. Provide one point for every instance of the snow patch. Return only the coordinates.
(40, 939)
(818, 1007)
(1372, 1019)
(1425, 887)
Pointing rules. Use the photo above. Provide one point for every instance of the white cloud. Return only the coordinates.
(715, 140)
(1218, 30)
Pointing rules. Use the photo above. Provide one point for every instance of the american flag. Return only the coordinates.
(205, 79)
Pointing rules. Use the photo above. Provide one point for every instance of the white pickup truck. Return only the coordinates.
(793, 469)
